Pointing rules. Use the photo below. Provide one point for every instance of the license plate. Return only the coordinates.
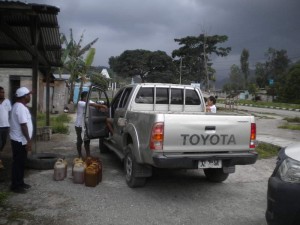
(204, 164)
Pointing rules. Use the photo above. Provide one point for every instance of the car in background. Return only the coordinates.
(284, 188)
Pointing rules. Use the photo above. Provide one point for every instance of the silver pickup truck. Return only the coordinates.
(166, 126)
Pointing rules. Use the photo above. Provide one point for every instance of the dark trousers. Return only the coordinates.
(3, 136)
(80, 141)
(18, 165)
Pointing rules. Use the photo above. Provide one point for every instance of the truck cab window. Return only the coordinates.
(176, 96)
(115, 102)
(191, 97)
(145, 95)
(125, 97)
(162, 95)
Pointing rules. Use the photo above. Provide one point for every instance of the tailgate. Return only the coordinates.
(206, 133)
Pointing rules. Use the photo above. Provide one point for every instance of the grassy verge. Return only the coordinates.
(57, 122)
(3, 197)
(265, 104)
(270, 104)
(293, 119)
(266, 150)
(291, 124)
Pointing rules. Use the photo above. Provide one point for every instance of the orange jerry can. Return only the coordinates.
(91, 176)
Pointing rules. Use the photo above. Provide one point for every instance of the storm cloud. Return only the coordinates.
(153, 25)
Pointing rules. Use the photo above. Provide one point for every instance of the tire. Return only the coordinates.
(216, 175)
(102, 147)
(42, 161)
(131, 169)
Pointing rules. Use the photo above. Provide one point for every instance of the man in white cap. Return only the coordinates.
(20, 134)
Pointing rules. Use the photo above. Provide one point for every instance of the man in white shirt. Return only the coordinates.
(79, 123)
(20, 135)
(5, 108)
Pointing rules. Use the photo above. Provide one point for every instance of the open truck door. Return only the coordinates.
(94, 118)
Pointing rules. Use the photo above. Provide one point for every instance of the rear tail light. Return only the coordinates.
(157, 136)
(252, 136)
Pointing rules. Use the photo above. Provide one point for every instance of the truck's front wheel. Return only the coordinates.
(131, 170)
(215, 175)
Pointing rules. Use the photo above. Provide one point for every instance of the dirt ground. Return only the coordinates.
(62, 144)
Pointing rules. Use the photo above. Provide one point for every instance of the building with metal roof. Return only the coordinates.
(29, 48)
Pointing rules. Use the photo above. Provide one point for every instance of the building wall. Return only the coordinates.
(60, 96)
(24, 75)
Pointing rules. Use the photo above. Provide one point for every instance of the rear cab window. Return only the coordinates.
(145, 95)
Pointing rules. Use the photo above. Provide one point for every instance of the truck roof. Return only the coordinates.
(161, 85)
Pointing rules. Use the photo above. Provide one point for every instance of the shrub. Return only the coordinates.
(57, 122)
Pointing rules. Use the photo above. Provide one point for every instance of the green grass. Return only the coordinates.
(3, 197)
(266, 150)
(17, 214)
(293, 123)
(264, 104)
(290, 126)
(270, 104)
(57, 122)
(293, 119)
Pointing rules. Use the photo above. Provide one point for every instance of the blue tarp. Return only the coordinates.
(76, 91)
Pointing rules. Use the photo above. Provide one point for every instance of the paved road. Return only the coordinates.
(281, 112)
(268, 121)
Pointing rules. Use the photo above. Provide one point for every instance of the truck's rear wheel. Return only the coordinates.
(215, 175)
(131, 169)
(102, 147)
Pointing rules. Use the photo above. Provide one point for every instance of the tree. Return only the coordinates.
(194, 53)
(98, 79)
(72, 58)
(261, 75)
(85, 66)
(271, 75)
(145, 64)
(235, 79)
(277, 63)
(245, 65)
(290, 93)
(253, 89)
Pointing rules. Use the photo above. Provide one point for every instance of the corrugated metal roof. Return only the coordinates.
(21, 26)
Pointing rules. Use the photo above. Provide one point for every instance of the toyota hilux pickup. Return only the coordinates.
(167, 126)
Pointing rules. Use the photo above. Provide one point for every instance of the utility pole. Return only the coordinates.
(205, 63)
(180, 70)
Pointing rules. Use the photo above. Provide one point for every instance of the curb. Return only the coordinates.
(270, 107)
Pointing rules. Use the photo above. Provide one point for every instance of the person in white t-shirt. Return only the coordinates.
(5, 108)
(20, 135)
(211, 104)
(79, 123)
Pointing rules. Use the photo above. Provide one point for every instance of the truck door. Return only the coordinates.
(94, 118)
(119, 108)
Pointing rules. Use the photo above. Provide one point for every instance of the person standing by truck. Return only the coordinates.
(21, 130)
(79, 123)
(211, 104)
(5, 108)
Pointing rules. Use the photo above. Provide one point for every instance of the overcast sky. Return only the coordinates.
(153, 25)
